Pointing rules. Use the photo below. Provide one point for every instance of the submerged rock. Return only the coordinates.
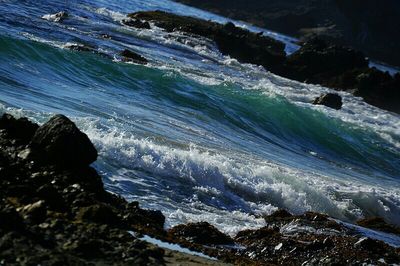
(136, 23)
(331, 100)
(63, 143)
(129, 56)
(57, 17)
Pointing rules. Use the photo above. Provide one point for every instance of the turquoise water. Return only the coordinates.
(195, 133)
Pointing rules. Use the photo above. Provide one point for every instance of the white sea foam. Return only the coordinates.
(241, 184)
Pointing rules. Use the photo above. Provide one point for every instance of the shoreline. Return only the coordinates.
(54, 210)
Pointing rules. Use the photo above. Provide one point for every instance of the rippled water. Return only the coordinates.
(195, 133)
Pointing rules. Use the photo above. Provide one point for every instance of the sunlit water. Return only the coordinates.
(196, 134)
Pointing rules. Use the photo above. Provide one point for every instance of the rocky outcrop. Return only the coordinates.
(63, 144)
(369, 26)
(236, 42)
(201, 233)
(331, 100)
(54, 213)
(129, 56)
(63, 216)
(317, 61)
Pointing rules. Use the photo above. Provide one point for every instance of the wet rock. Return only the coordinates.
(98, 213)
(57, 17)
(136, 23)
(36, 211)
(380, 224)
(249, 236)
(245, 46)
(21, 128)
(129, 56)
(80, 47)
(281, 213)
(63, 143)
(201, 233)
(144, 219)
(331, 100)
(317, 60)
(369, 244)
(10, 219)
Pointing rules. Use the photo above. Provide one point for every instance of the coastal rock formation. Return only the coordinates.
(317, 61)
(63, 143)
(129, 56)
(331, 100)
(60, 214)
(201, 233)
(370, 26)
(136, 23)
(236, 42)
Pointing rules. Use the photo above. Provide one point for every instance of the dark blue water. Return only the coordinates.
(194, 133)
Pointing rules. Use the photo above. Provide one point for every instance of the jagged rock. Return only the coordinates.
(281, 213)
(98, 213)
(245, 46)
(35, 211)
(130, 56)
(331, 100)
(136, 23)
(201, 233)
(144, 219)
(10, 219)
(317, 61)
(20, 128)
(63, 143)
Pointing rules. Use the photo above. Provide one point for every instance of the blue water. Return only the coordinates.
(195, 133)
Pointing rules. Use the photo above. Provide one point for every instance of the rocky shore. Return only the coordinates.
(54, 211)
(316, 62)
(369, 26)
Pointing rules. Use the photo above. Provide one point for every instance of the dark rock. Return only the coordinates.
(201, 233)
(144, 219)
(369, 244)
(317, 61)
(366, 25)
(130, 56)
(20, 128)
(63, 143)
(136, 23)
(80, 48)
(331, 100)
(328, 242)
(245, 46)
(52, 196)
(380, 224)
(98, 213)
(10, 219)
(249, 236)
(281, 213)
(36, 212)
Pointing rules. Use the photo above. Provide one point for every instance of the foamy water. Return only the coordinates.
(196, 134)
